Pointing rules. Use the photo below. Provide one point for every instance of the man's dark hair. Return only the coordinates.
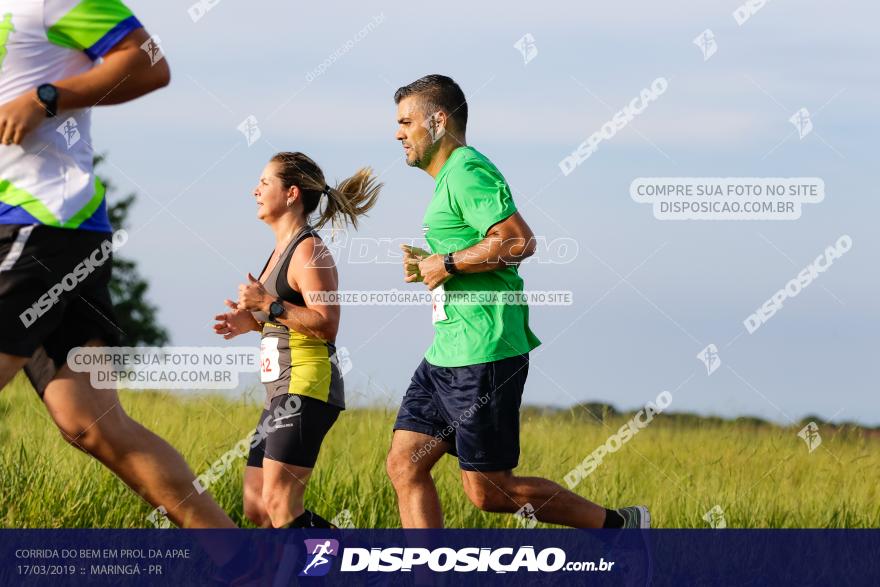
(438, 92)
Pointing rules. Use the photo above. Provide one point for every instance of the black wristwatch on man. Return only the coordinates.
(449, 264)
(47, 94)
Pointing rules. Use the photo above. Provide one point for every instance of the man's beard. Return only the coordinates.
(426, 157)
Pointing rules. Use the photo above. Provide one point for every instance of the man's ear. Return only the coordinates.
(436, 125)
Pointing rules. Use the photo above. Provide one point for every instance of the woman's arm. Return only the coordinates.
(313, 273)
(235, 322)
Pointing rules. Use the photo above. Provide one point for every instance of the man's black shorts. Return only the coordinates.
(291, 431)
(53, 294)
(474, 408)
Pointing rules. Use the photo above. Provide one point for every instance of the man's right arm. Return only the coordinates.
(105, 30)
(125, 73)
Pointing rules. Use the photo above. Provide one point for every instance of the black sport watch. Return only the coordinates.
(449, 264)
(48, 96)
(276, 308)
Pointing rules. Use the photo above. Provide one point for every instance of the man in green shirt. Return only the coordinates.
(465, 396)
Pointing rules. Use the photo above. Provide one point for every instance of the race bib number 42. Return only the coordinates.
(269, 368)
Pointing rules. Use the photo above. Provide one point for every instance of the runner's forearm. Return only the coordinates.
(493, 252)
(124, 74)
(309, 322)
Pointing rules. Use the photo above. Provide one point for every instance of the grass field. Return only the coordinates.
(761, 476)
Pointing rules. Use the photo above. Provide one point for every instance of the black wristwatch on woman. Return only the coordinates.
(276, 309)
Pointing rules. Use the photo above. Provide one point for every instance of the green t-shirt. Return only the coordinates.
(470, 196)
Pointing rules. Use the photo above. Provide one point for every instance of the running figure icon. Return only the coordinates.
(318, 556)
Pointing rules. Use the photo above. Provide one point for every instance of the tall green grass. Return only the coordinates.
(762, 476)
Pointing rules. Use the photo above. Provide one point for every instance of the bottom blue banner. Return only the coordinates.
(440, 557)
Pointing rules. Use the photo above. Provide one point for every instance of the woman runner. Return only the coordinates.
(304, 388)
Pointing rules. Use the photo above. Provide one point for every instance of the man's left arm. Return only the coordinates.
(507, 243)
(486, 205)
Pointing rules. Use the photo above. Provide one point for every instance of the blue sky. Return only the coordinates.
(687, 284)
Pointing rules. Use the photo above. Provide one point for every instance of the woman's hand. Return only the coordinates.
(253, 296)
(231, 324)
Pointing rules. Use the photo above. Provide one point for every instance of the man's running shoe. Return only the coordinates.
(635, 516)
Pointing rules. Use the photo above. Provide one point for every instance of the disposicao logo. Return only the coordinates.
(320, 553)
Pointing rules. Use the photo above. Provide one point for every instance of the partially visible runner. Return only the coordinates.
(59, 59)
(304, 387)
(465, 396)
